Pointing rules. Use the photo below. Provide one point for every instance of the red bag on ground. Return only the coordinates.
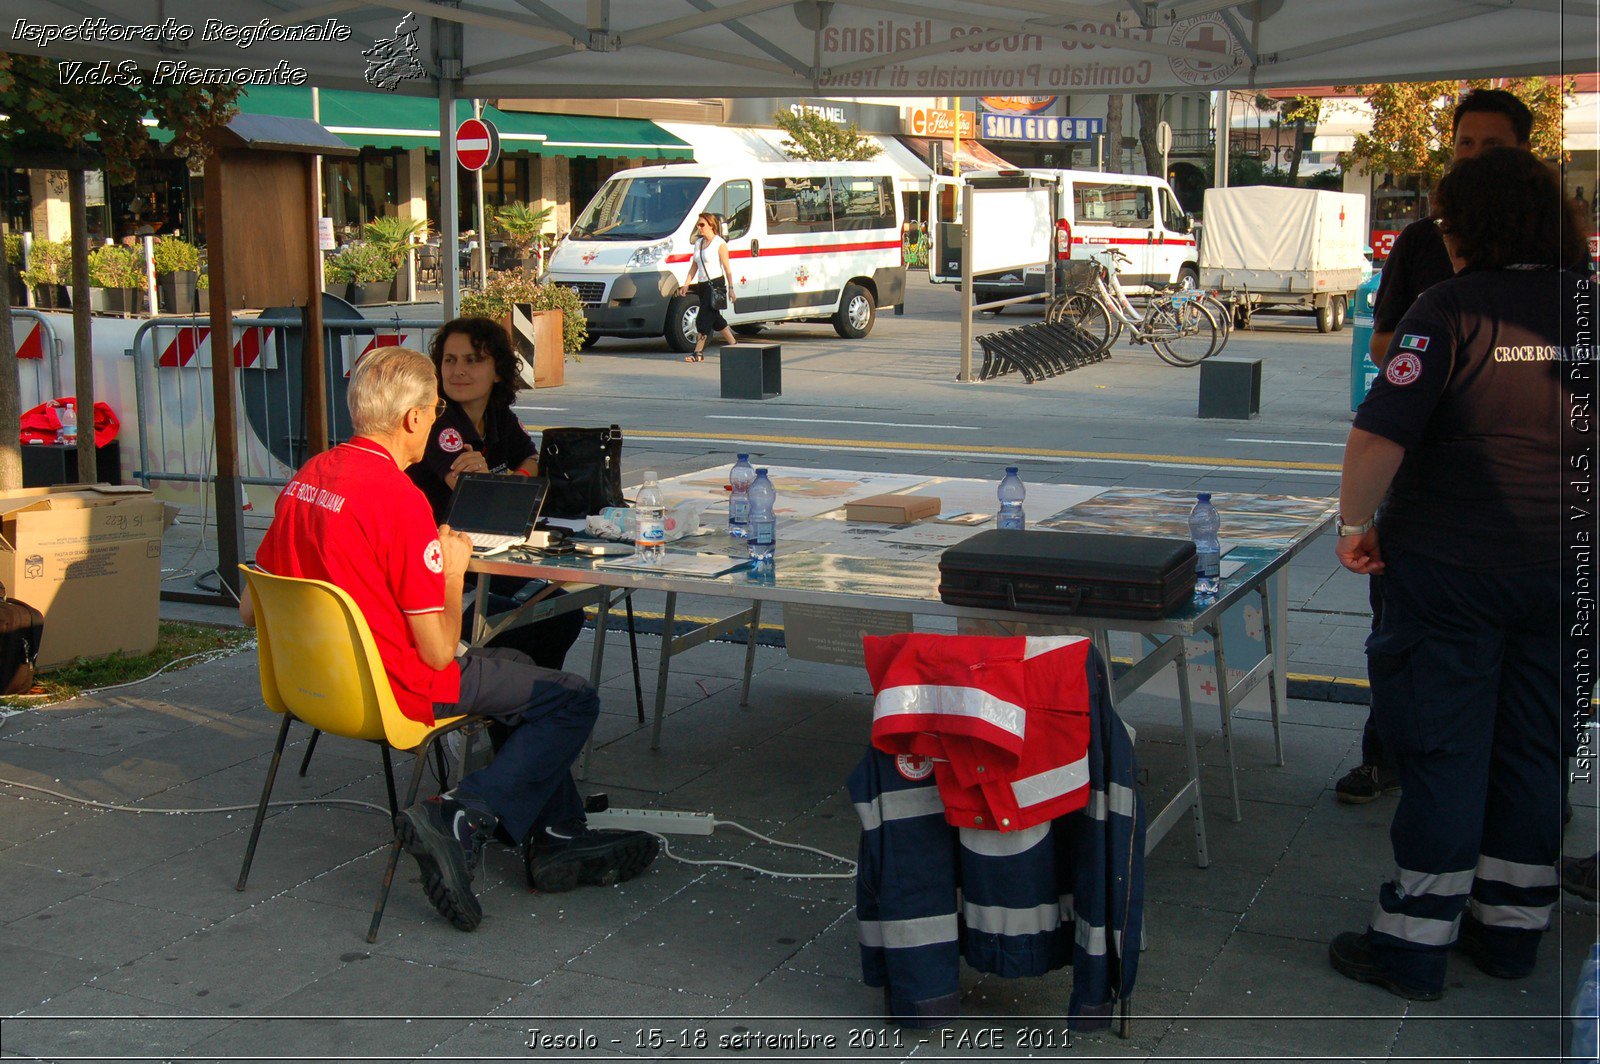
(39, 425)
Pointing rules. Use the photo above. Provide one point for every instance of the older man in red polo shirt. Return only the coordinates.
(353, 518)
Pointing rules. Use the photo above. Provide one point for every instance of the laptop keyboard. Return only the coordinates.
(486, 541)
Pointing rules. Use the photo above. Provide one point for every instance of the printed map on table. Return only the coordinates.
(801, 492)
(1161, 512)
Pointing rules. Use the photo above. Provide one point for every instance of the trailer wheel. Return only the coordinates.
(1325, 318)
(1338, 313)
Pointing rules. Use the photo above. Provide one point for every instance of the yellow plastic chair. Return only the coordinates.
(320, 666)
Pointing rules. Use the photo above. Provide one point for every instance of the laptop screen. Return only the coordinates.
(504, 505)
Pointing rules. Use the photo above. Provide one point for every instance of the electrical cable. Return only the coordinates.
(115, 808)
(666, 848)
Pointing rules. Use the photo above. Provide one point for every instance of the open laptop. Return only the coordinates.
(497, 511)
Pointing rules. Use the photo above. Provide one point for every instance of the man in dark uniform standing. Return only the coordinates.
(1485, 118)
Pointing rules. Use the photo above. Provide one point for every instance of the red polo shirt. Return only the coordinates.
(353, 518)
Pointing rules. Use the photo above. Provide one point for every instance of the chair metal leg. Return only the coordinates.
(1225, 704)
(633, 649)
(443, 765)
(1272, 680)
(668, 620)
(388, 779)
(311, 748)
(394, 850)
(261, 809)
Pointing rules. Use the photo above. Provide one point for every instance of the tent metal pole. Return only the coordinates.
(449, 227)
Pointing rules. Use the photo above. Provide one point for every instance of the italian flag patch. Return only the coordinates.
(1414, 342)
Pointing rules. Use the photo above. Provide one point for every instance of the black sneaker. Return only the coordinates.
(446, 838)
(558, 861)
(1366, 783)
(1351, 955)
(1578, 875)
(1474, 940)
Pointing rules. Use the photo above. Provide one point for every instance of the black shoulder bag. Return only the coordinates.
(584, 467)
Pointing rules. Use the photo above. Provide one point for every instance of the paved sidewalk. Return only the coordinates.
(124, 936)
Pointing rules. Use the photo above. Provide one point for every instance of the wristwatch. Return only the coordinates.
(1356, 530)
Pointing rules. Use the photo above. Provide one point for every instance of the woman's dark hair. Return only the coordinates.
(488, 338)
(1505, 207)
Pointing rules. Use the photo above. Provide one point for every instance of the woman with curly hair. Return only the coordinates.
(480, 433)
(1472, 442)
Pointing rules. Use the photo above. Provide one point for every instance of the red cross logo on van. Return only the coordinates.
(590, 256)
(802, 275)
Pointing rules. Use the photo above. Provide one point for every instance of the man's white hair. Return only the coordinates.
(387, 382)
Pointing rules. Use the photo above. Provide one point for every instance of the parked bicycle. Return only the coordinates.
(1182, 326)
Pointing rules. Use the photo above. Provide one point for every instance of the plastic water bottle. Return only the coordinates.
(1011, 494)
(740, 477)
(68, 432)
(1204, 523)
(763, 538)
(651, 513)
(1585, 1007)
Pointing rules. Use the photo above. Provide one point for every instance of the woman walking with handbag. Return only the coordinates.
(710, 262)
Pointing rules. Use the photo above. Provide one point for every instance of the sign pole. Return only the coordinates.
(955, 153)
(967, 295)
(483, 228)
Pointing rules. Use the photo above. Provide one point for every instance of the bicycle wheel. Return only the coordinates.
(1183, 334)
(1087, 313)
(1224, 319)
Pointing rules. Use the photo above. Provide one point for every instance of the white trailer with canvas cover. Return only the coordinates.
(1268, 246)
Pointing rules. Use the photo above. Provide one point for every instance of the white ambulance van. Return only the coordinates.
(1134, 213)
(806, 241)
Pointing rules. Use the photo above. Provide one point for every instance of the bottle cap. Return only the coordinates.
(743, 457)
(1011, 470)
(649, 475)
(727, 487)
(761, 472)
(1204, 496)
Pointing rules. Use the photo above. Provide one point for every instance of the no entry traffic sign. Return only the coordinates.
(477, 144)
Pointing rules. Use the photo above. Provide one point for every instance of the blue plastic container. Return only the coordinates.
(1362, 370)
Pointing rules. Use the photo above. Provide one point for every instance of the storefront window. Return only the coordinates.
(18, 200)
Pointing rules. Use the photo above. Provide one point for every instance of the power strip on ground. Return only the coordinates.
(663, 821)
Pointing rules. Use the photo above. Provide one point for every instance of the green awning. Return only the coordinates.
(386, 120)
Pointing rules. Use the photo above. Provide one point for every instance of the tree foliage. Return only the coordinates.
(812, 138)
(42, 114)
(1411, 123)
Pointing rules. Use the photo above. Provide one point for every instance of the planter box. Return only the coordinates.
(368, 295)
(53, 297)
(115, 300)
(536, 338)
(179, 291)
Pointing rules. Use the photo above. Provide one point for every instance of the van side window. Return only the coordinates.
(1171, 211)
(732, 203)
(862, 202)
(1123, 206)
(797, 205)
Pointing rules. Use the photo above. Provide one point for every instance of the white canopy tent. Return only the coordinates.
(606, 48)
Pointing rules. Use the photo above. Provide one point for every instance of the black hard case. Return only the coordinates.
(1086, 573)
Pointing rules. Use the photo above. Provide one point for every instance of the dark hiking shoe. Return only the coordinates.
(1351, 955)
(446, 838)
(1578, 875)
(1477, 942)
(558, 861)
(1366, 783)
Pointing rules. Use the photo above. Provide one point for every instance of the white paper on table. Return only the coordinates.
(687, 564)
(932, 535)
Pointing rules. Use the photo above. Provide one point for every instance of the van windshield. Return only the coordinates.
(638, 208)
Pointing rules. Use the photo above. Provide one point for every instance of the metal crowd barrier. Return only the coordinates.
(38, 357)
(175, 421)
(1038, 350)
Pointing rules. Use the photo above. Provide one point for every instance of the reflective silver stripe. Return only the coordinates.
(1522, 917)
(999, 920)
(951, 702)
(1422, 931)
(1090, 938)
(1445, 883)
(901, 934)
(1117, 797)
(899, 805)
(1002, 843)
(1517, 874)
(1044, 644)
(1052, 783)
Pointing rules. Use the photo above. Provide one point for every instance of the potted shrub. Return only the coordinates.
(372, 274)
(555, 311)
(115, 275)
(14, 280)
(523, 226)
(177, 264)
(338, 270)
(393, 236)
(48, 264)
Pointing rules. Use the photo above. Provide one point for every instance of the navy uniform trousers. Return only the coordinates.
(1467, 693)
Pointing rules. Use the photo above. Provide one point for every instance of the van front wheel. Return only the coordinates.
(856, 313)
(683, 321)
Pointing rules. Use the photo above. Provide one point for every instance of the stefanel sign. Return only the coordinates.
(937, 122)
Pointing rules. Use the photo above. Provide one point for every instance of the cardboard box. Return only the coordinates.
(89, 558)
(892, 509)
